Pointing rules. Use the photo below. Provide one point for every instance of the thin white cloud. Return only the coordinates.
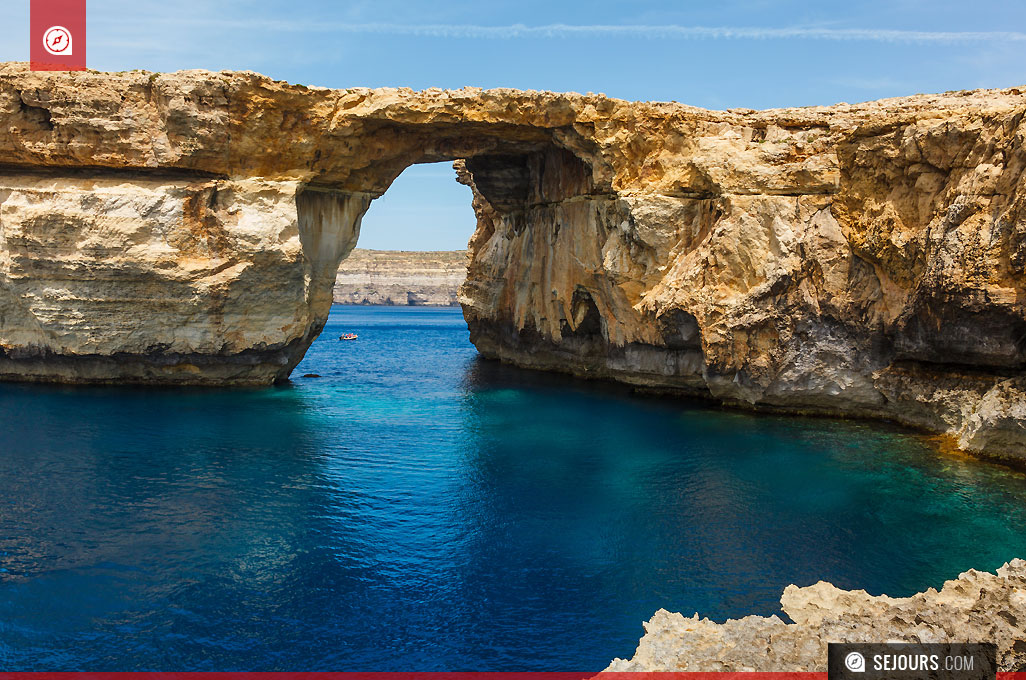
(555, 31)
(676, 32)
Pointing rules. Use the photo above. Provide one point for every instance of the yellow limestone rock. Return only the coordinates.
(976, 607)
(861, 259)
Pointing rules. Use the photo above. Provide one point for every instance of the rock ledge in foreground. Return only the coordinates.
(975, 607)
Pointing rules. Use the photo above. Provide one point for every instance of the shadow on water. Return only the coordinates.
(739, 504)
(417, 508)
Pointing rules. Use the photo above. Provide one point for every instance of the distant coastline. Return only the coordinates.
(401, 277)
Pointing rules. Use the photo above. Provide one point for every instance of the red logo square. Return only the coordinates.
(58, 35)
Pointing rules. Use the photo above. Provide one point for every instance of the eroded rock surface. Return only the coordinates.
(976, 607)
(861, 259)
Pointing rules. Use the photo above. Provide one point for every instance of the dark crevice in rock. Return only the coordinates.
(689, 193)
(679, 330)
(939, 367)
(941, 334)
(586, 323)
(504, 180)
(37, 116)
(512, 182)
(102, 172)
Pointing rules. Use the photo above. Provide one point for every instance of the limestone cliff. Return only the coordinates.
(861, 259)
(976, 607)
(397, 277)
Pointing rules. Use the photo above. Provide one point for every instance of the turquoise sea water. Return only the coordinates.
(417, 508)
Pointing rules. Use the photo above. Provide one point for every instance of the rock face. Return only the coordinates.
(856, 259)
(976, 607)
(396, 277)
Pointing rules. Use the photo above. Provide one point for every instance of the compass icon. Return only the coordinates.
(57, 41)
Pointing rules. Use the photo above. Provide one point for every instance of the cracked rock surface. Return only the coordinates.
(975, 607)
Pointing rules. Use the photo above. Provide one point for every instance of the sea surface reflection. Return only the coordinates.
(417, 508)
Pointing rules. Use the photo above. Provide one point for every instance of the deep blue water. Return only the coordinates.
(417, 508)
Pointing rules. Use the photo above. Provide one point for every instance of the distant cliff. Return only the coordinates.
(398, 277)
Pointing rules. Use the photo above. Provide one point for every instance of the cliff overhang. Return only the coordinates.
(861, 259)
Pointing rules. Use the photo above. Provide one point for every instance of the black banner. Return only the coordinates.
(911, 661)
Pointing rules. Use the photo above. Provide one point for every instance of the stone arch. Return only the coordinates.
(185, 228)
(238, 198)
(518, 182)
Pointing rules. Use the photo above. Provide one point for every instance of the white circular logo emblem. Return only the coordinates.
(855, 662)
(57, 41)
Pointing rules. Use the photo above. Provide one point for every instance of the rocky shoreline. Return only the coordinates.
(857, 259)
(403, 278)
(863, 260)
(975, 607)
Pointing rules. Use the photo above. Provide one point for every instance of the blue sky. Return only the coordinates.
(740, 53)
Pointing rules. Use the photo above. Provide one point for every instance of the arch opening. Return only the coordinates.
(512, 183)
(532, 200)
(412, 246)
(425, 209)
